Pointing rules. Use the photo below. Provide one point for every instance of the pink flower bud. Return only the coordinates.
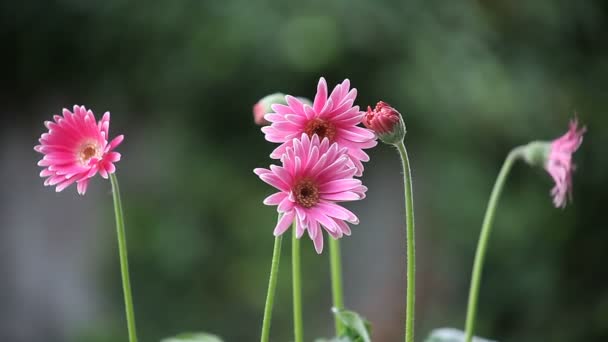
(258, 114)
(386, 122)
(264, 106)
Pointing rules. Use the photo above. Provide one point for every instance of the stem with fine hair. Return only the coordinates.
(335, 261)
(297, 287)
(483, 240)
(410, 244)
(124, 263)
(272, 285)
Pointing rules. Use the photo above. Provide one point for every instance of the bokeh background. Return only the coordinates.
(473, 79)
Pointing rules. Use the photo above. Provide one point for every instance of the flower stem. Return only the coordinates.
(483, 241)
(124, 263)
(297, 287)
(272, 285)
(410, 244)
(335, 262)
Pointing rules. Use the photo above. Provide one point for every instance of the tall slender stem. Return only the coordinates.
(124, 263)
(335, 262)
(483, 241)
(272, 285)
(297, 287)
(410, 244)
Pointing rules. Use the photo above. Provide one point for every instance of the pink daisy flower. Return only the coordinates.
(333, 117)
(76, 148)
(559, 163)
(315, 176)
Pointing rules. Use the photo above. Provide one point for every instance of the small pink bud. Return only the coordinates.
(386, 122)
(264, 106)
(258, 114)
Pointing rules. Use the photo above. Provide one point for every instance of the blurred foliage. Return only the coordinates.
(473, 78)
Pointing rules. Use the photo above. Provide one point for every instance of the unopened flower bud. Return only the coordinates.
(263, 106)
(386, 122)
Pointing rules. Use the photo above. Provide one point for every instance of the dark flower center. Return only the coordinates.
(320, 127)
(306, 193)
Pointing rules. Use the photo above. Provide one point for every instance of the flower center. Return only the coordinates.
(306, 193)
(320, 127)
(87, 152)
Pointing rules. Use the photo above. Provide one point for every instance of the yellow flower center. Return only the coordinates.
(88, 151)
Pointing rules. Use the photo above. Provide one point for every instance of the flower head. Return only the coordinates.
(386, 122)
(76, 148)
(559, 162)
(315, 175)
(331, 116)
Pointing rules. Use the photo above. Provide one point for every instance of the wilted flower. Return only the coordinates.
(386, 122)
(76, 148)
(556, 157)
(333, 117)
(559, 163)
(314, 176)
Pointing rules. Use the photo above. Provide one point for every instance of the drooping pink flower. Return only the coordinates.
(331, 116)
(559, 163)
(76, 148)
(315, 176)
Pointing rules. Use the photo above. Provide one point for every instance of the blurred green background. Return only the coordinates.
(473, 79)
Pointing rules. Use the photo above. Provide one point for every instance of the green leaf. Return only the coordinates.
(451, 335)
(193, 337)
(357, 329)
(335, 339)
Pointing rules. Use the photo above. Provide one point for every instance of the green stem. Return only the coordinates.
(297, 287)
(483, 241)
(272, 285)
(335, 262)
(124, 263)
(410, 244)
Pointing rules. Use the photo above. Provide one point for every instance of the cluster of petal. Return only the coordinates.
(559, 163)
(314, 176)
(330, 116)
(76, 148)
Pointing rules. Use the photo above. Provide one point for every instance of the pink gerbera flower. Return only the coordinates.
(76, 148)
(559, 163)
(314, 176)
(333, 117)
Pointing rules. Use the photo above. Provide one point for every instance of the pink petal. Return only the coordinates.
(321, 96)
(283, 223)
